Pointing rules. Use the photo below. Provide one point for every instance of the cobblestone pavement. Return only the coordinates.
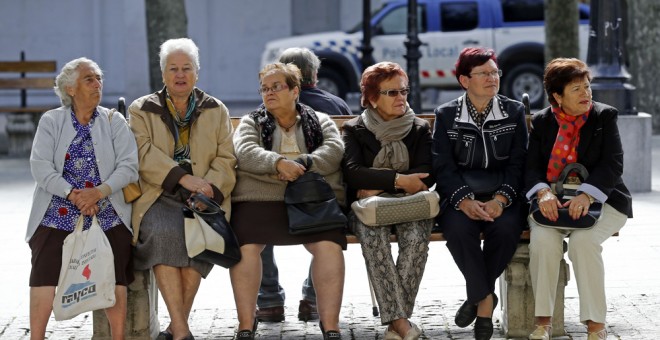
(633, 282)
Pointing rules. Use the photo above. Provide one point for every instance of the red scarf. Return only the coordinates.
(565, 149)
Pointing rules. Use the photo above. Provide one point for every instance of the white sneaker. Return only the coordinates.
(542, 332)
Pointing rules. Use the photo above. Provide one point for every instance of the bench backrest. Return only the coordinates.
(23, 67)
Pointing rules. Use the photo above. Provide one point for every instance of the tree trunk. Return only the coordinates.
(166, 19)
(561, 29)
(644, 55)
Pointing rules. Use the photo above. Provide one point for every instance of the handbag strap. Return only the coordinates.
(212, 207)
(306, 162)
(577, 168)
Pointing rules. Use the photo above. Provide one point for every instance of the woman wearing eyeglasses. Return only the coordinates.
(388, 150)
(479, 146)
(267, 142)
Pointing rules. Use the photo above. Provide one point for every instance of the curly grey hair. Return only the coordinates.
(184, 45)
(306, 60)
(68, 77)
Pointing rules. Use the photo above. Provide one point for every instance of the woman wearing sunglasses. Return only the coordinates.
(479, 144)
(388, 150)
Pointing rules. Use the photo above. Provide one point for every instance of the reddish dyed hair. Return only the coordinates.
(373, 76)
(470, 58)
(561, 72)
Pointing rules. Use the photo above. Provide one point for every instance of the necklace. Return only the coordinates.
(286, 128)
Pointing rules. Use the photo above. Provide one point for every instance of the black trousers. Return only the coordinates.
(481, 267)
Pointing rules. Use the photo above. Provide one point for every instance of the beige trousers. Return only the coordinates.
(584, 251)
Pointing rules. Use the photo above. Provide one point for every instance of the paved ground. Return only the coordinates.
(633, 282)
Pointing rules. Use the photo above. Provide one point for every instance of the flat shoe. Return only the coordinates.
(483, 328)
(601, 334)
(391, 335)
(465, 315)
(413, 333)
(542, 332)
(165, 335)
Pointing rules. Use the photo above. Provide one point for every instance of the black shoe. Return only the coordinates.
(270, 314)
(165, 335)
(307, 311)
(465, 315)
(329, 335)
(483, 328)
(247, 334)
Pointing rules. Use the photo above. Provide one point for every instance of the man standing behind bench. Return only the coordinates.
(271, 295)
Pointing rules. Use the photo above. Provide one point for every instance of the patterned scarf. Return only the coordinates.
(311, 126)
(181, 143)
(568, 137)
(393, 153)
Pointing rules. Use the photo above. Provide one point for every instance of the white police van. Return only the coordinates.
(513, 28)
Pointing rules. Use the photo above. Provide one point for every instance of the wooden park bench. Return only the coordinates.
(22, 118)
(516, 296)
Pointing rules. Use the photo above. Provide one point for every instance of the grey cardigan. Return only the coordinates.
(256, 172)
(116, 158)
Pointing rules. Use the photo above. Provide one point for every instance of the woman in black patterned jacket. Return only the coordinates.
(479, 144)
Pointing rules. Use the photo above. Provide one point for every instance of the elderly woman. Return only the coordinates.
(388, 150)
(478, 157)
(80, 160)
(589, 136)
(185, 148)
(267, 142)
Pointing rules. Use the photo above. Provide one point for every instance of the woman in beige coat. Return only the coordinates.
(185, 148)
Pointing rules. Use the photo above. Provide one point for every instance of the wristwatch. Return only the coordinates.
(67, 192)
(502, 204)
(591, 198)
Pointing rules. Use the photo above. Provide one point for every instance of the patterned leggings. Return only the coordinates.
(395, 285)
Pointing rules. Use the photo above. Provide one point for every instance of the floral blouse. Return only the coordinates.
(81, 171)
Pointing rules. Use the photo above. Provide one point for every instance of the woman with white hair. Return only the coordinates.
(185, 148)
(69, 184)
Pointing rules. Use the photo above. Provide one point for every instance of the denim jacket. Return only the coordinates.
(459, 146)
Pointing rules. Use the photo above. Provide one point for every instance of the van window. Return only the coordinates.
(522, 10)
(459, 16)
(396, 21)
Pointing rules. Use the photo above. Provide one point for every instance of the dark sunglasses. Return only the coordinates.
(394, 93)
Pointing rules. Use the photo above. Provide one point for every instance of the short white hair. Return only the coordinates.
(69, 75)
(184, 45)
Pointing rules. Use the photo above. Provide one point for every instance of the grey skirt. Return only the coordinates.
(162, 240)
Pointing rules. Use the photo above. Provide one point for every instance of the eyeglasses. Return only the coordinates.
(276, 88)
(482, 75)
(394, 93)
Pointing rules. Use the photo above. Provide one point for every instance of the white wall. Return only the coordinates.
(231, 35)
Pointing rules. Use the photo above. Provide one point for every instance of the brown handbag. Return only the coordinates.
(132, 191)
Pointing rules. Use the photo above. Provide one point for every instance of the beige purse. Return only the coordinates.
(386, 209)
(132, 191)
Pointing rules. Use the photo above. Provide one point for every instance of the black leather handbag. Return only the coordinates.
(214, 217)
(565, 192)
(311, 204)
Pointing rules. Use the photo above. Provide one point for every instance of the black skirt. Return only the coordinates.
(268, 223)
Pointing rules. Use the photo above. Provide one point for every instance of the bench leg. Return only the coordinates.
(142, 315)
(518, 297)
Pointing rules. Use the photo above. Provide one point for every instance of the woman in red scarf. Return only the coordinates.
(574, 130)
